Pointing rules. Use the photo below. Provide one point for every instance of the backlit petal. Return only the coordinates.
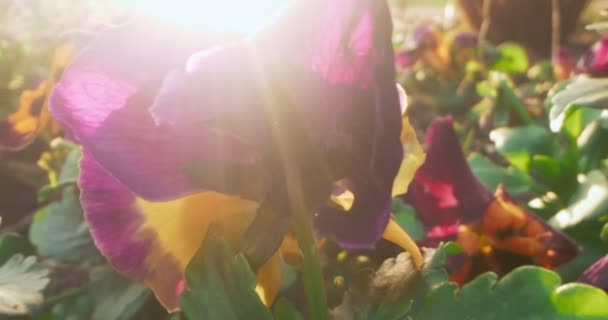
(509, 227)
(152, 242)
(269, 279)
(445, 192)
(325, 68)
(103, 100)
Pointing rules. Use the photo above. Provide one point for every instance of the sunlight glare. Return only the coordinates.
(235, 16)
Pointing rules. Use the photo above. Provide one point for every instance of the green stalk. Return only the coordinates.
(516, 103)
(313, 275)
(284, 111)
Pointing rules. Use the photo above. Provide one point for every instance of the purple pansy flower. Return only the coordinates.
(180, 131)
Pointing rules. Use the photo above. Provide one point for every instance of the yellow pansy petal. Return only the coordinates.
(269, 279)
(413, 158)
(395, 234)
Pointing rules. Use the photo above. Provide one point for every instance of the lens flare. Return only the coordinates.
(234, 16)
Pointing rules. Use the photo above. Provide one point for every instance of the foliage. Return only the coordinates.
(526, 293)
(220, 285)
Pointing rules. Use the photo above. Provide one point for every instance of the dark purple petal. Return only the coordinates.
(465, 40)
(116, 225)
(103, 100)
(326, 67)
(597, 274)
(445, 192)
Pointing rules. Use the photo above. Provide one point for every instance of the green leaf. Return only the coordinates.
(60, 232)
(546, 167)
(71, 169)
(76, 307)
(604, 233)
(582, 92)
(405, 215)
(576, 119)
(67, 176)
(11, 244)
(513, 59)
(485, 89)
(589, 202)
(491, 175)
(21, 283)
(114, 296)
(109, 296)
(501, 108)
(526, 293)
(452, 248)
(592, 147)
(541, 72)
(283, 310)
(221, 285)
(519, 144)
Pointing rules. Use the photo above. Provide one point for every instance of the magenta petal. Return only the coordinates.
(597, 274)
(445, 192)
(318, 55)
(595, 60)
(116, 224)
(103, 101)
(330, 66)
(406, 59)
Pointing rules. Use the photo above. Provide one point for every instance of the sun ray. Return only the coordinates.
(244, 17)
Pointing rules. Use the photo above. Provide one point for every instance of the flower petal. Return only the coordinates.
(595, 60)
(103, 100)
(333, 49)
(152, 242)
(445, 191)
(509, 227)
(395, 234)
(269, 279)
(328, 64)
(413, 158)
(597, 274)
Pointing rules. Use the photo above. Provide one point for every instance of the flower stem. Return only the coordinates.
(313, 275)
(516, 103)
